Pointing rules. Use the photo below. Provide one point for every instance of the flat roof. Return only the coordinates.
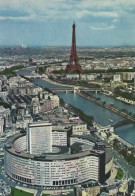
(40, 123)
(86, 137)
(49, 156)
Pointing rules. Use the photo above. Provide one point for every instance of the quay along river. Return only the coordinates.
(100, 114)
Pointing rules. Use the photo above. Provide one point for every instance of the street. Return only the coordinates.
(120, 161)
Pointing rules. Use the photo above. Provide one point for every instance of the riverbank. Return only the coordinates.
(11, 70)
(56, 83)
(106, 106)
(130, 102)
(107, 133)
(88, 119)
(127, 101)
(73, 85)
(123, 99)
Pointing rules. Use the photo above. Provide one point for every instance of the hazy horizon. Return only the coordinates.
(66, 46)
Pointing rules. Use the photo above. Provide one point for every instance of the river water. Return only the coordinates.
(101, 115)
(117, 103)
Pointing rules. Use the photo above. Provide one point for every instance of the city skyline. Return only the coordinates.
(99, 23)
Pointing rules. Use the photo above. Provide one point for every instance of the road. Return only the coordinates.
(39, 192)
(4, 177)
(121, 161)
(9, 181)
(13, 183)
(118, 159)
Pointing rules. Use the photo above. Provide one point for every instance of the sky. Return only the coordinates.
(99, 23)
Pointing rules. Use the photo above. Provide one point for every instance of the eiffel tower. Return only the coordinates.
(73, 64)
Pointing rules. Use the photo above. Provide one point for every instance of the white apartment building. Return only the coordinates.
(79, 129)
(117, 78)
(59, 138)
(39, 137)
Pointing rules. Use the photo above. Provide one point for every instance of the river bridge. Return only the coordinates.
(122, 122)
(34, 76)
(60, 87)
(75, 89)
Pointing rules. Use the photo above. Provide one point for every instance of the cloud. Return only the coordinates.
(14, 15)
(55, 9)
(110, 12)
(102, 28)
(83, 13)
(16, 18)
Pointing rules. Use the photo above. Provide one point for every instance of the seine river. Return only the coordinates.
(101, 115)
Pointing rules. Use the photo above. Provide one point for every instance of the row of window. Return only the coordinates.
(21, 178)
(64, 182)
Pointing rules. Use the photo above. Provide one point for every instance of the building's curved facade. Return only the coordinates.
(55, 169)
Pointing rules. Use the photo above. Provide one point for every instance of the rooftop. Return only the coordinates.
(62, 154)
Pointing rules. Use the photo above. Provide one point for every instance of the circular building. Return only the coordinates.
(83, 159)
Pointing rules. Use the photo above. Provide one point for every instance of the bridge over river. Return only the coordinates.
(122, 122)
(75, 89)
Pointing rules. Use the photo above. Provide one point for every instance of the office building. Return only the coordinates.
(39, 138)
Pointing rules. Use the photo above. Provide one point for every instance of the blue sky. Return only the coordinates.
(49, 22)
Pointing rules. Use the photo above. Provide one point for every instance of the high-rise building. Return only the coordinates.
(39, 138)
(1, 125)
(0, 85)
(73, 64)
